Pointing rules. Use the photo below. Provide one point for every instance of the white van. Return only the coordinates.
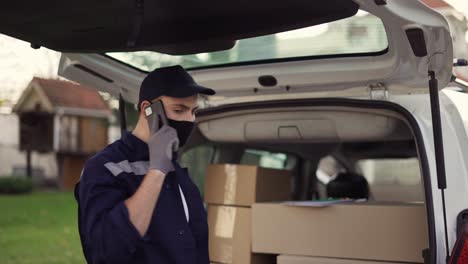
(356, 84)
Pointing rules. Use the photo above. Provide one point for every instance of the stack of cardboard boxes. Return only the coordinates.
(230, 191)
(250, 224)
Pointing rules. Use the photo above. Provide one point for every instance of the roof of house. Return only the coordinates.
(69, 94)
(436, 3)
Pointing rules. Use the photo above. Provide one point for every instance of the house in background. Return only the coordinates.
(65, 121)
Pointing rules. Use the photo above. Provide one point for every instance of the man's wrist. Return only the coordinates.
(156, 173)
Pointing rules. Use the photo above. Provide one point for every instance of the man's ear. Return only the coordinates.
(143, 105)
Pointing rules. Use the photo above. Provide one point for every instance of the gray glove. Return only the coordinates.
(161, 146)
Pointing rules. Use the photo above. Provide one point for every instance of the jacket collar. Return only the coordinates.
(138, 148)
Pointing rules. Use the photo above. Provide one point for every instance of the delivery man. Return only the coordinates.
(136, 204)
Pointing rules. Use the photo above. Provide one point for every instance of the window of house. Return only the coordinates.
(69, 130)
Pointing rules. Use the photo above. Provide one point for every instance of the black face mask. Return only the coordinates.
(183, 128)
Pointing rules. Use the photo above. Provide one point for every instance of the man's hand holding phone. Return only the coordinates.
(163, 141)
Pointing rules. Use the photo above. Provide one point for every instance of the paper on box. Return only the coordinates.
(289, 259)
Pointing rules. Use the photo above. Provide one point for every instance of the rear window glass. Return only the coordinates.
(267, 159)
(359, 35)
(389, 179)
(393, 179)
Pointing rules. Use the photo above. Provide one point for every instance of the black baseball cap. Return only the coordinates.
(171, 81)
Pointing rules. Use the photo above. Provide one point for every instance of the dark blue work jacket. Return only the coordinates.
(108, 236)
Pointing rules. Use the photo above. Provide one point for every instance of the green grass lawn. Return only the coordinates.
(39, 228)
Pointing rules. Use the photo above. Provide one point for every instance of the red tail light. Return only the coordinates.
(460, 250)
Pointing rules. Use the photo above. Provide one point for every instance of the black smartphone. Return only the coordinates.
(156, 116)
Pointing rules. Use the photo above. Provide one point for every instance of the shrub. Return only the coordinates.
(15, 185)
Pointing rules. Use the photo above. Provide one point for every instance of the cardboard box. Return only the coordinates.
(289, 259)
(373, 231)
(230, 236)
(243, 185)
